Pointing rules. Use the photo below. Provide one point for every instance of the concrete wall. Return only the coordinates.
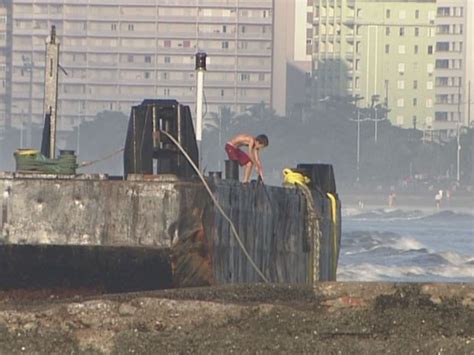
(176, 216)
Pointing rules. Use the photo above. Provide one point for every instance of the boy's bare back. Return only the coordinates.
(242, 139)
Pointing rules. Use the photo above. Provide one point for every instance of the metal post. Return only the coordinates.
(220, 139)
(29, 128)
(376, 120)
(200, 68)
(458, 155)
(358, 143)
(51, 87)
(469, 103)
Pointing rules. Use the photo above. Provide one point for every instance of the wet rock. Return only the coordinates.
(127, 310)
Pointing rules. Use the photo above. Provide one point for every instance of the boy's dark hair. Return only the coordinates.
(262, 139)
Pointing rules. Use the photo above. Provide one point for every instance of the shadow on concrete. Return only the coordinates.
(105, 269)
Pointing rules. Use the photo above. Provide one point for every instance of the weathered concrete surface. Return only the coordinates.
(346, 318)
(179, 216)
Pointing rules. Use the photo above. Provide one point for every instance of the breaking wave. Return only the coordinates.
(398, 214)
(388, 256)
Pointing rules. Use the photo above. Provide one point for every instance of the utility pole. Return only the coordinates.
(458, 154)
(469, 104)
(358, 143)
(28, 66)
(375, 99)
(51, 88)
(200, 69)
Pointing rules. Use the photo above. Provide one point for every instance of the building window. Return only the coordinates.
(166, 92)
(415, 84)
(244, 77)
(401, 102)
(401, 49)
(416, 49)
(400, 120)
(357, 83)
(130, 58)
(147, 59)
(225, 45)
(402, 31)
(429, 85)
(417, 31)
(164, 76)
(417, 14)
(442, 64)
(430, 49)
(401, 84)
(387, 48)
(131, 27)
(401, 67)
(113, 27)
(443, 12)
(387, 13)
(415, 101)
(442, 46)
(147, 75)
(387, 31)
(261, 77)
(167, 60)
(186, 44)
(222, 93)
(441, 116)
(402, 14)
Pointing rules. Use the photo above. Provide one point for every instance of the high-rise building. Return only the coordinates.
(5, 59)
(116, 53)
(292, 54)
(453, 69)
(382, 50)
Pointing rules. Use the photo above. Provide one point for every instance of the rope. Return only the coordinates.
(234, 230)
(314, 230)
(89, 163)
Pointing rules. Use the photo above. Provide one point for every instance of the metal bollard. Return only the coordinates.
(232, 170)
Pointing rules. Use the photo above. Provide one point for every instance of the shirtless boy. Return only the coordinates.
(251, 159)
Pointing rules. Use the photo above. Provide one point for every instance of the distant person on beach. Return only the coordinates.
(391, 199)
(438, 198)
(250, 160)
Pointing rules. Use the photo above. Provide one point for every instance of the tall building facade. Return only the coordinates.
(382, 50)
(454, 34)
(5, 61)
(292, 54)
(116, 53)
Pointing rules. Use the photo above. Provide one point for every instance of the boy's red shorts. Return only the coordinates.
(236, 154)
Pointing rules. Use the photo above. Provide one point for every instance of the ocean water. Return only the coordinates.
(407, 246)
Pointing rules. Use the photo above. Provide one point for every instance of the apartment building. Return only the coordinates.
(5, 58)
(116, 53)
(453, 70)
(292, 54)
(382, 50)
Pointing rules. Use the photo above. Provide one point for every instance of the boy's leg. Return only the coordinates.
(247, 171)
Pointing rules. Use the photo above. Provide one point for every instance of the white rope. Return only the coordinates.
(242, 246)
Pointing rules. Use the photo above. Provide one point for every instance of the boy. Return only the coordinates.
(251, 159)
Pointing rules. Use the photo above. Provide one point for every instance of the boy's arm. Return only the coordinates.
(258, 164)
